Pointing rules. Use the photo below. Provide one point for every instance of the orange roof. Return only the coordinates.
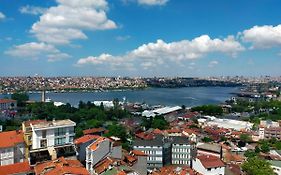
(175, 170)
(60, 166)
(85, 139)
(11, 138)
(211, 161)
(95, 144)
(145, 136)
(103, 165)
(7, 101)
(138, 153)
(121, 173)
(157, 131)
(93, 131)
(174, 130)
(130, 158)
(21, 167)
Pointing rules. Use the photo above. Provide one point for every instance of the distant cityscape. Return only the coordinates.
(61, 84)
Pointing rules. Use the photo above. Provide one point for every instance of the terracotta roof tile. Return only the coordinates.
(7, 101)
(93, 131)
(211, 161)
(11, 138)
(60, 166)
(17, 168)
(138, 153)
(85, 139)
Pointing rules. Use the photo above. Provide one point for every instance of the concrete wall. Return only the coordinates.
(154, 155)
(7, 156)
(141, 165)
(181, 154)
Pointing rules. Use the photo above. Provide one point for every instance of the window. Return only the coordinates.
(60, 131)
(71, 130)
(43, 143)
(44, 133)
(71, 139)
(209, 169)
(60, 141)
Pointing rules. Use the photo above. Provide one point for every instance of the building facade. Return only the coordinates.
(6, 104)
(182, 151)
(12, 147)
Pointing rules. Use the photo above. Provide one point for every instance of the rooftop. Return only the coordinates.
(17, 168)
(96, 143)
(10, 138)
(60, 166)
(93, 131)
(53, 123)
(275, 163)
(85, 139)
(211, 161)
(209, 147)
(7, 101)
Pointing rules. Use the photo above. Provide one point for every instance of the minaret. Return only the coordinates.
(43, 97)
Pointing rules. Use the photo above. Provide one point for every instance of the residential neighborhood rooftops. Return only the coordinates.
(53, 123)
(17, 168)
(10, 138)
(157, 141)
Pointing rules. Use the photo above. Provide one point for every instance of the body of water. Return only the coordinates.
(189, 96)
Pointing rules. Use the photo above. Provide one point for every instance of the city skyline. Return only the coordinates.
(140, 38)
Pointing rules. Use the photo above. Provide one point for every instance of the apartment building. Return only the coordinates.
(163, 151)
(271, 132)
(182, 151)
(102, 148)
(6, 104)
(12, 147)
(209, 165)
(48, 140)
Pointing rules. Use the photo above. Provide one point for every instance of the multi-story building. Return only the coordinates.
(163, 151)
(157, 149)
(12, 147)
(102, 148)
(6, 104)
(182, 151)
(49, 139)
(268, 133)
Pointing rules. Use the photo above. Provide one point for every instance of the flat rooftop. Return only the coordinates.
(53, 123)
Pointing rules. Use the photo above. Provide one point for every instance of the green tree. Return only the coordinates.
(257, 166)
(160, 123)
(21, 98)
(117, 131)
(207, 139)
(250, 154)
(265, 148)
(245, 138)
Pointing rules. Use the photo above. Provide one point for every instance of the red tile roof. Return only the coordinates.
(60, 166)
(22, 167)
(175, 170)
(7, 101)
(138, 153)
(95, 144)
(85, 139)
(103, 165)
(145, 136)
(211, 161)
(93, 131)
(10, 138)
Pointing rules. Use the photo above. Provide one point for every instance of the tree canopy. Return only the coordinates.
(257, 166)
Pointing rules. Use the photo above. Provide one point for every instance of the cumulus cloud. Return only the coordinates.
(34, 50)
(152, 2)
(160, 52)
(67, 21)
(263, 36)
(213, 64)
(2, 16)
(32, 10)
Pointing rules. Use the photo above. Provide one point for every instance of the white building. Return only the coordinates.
(182, 151)
(52, 138)
(100, 149)
(209, 165)
(160, 111)
(12, 147)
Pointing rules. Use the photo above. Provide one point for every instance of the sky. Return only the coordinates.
(147, 38)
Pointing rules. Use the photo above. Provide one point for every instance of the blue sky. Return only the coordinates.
(140, 37)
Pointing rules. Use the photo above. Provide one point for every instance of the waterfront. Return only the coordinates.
(189, 96)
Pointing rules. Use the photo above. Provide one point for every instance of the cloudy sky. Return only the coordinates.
(140, 37)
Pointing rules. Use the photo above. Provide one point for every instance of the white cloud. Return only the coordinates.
(160, 52)
(32, 10)
(67, 21)
(263, 36)
(213, 64)
(152, 2)
(34, 50)
(2, 16)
